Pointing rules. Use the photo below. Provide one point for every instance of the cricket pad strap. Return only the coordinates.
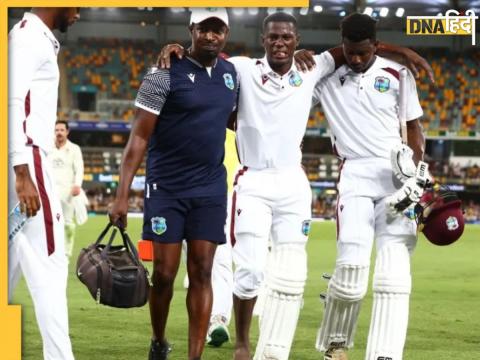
(285, 283)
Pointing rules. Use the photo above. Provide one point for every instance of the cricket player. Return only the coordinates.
(361, 103)
(67, 164)
(182, 115)
(37, 251)
(272, 197)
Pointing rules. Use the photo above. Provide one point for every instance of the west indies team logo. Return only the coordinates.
(452, 223)
(159, 225)
(295, 79)
(229, 81)
(382, 83)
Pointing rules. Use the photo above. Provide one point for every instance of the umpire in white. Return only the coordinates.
(67, 164)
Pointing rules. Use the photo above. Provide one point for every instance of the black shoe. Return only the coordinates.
(159, 350)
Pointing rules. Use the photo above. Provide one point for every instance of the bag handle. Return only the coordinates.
(128, 244)
(106, 249)
(125, 238)
(103, 233)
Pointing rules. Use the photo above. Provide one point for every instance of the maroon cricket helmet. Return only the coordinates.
(439, 216)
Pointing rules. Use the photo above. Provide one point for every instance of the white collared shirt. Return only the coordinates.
(33, 78)
(67, 165)
(362, 108)
(273, 110)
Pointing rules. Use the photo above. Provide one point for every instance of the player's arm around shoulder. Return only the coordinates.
(321, 64)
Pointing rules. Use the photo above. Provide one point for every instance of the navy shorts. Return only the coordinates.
(172, 220)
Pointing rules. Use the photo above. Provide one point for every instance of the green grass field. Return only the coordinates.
(444, 316)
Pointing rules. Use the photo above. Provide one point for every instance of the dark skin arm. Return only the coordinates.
(407, 57)
(142, 128)
(163, 60)
(26, 190)
(232, 121)
(416, 140)
(304, 58)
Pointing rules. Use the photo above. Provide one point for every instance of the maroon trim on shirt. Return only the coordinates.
(47, 210)
(27, 113)
(239, 173)
(234, 206)
(338, 198)
(393, 72)
(22, 24)
(232, 219)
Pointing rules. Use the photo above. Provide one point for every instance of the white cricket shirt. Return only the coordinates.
(67, 166)
(362, 108)
(273, 110)
(33, 78)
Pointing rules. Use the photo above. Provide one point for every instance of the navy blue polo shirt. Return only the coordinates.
(186, 150)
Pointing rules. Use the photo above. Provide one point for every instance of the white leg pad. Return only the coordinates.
(391, 292)
(285, 283)
(346, 290)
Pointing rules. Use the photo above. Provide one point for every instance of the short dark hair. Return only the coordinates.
(280, 17)
(358, 27)
(62, 122)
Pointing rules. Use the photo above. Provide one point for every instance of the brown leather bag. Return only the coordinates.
(114, 274)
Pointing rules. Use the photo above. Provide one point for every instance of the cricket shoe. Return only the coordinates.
(218, 331)
(336, 353)
(159, 350)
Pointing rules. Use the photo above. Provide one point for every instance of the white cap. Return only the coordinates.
(202, 14)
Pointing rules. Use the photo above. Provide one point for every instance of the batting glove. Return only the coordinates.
(411, 191)
(401, 157)
(408, 194)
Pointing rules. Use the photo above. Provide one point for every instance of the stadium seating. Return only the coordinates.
(452, 103)
(115, 69)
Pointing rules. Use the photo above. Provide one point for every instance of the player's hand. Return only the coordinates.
(76, 190)
(401, 157)
(118, 213)
(415, 62)
(163, 60)
(304, 60)
(410, 193)
(26, 191)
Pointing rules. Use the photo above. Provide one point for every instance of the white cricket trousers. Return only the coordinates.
(37, 252)
(267, 204)
(222, 275)
(362, 212)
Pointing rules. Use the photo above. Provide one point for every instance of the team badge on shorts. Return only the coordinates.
(452, 223)
(229, 81)
(295, 79)
(382, 83)
(306, 224)
(159, 225)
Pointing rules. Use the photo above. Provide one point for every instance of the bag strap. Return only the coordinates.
(106, 249)
(129, 245)
(125, 238)
(103, 233)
